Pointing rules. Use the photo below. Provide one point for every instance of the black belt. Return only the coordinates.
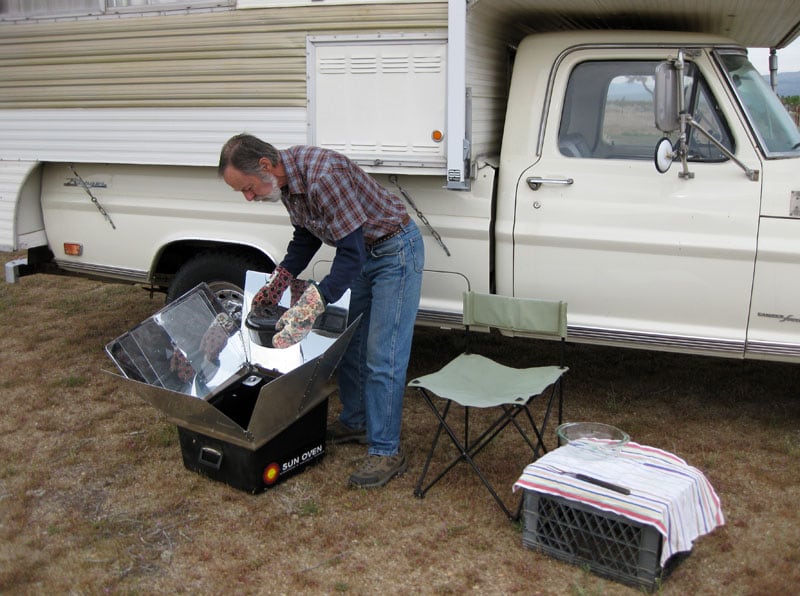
(390, 235)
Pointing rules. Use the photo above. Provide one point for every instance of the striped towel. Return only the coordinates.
(666, 492)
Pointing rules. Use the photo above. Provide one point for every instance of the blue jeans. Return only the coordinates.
(372, 373)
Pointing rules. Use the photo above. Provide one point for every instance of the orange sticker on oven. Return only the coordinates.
(271, 473)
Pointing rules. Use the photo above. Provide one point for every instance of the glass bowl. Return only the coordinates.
(593, 433)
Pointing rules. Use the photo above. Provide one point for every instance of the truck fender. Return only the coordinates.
(223, 270)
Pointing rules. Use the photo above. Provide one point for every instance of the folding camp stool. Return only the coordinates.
(474, 381)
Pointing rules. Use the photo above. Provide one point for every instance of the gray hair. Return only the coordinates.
(243, 152)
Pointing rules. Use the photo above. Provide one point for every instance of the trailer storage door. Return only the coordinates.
(379, 100)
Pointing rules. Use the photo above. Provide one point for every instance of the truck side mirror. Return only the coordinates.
(670, 116)
(666, 99)
(664, 155)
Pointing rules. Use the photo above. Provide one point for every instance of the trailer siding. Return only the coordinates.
(247, 58)
(490, 45)
(13, 175)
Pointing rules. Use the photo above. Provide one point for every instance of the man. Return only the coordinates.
(379, 256)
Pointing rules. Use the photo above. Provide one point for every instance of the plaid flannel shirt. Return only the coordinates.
(331, 196)
(332, 200)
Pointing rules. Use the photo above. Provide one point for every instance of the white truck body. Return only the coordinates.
(137, 106)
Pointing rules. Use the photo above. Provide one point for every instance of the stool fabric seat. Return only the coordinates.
(476, 381)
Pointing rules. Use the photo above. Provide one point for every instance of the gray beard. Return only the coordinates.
(273, 196)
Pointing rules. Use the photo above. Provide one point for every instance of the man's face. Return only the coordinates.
(254, 187)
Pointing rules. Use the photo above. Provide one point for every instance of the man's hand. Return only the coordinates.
(296, 322)
(271, 293)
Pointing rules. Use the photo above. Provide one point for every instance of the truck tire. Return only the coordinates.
(223, 271)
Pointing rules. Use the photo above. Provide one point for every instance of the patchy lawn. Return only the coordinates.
(94, 497)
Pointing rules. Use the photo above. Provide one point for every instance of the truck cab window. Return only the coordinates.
(777, 133)
(705, 112)
(608, 113)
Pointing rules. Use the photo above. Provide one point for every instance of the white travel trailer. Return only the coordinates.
(523, 133)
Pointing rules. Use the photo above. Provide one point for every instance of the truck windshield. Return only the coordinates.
(776, 132)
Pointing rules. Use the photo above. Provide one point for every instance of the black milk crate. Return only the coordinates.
(296, 447)
(610, 545)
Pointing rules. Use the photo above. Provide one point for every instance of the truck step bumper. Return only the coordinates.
(13, 269)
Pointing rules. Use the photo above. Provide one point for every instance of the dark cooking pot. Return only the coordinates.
(261, 324)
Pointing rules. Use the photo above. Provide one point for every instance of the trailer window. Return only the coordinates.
(20, 10)
(24, 9)
(608, 113)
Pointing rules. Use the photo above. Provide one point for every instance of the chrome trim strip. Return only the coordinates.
(435, 317)
(773, 349)
(134, 275)
(656, 340)
(619, 337)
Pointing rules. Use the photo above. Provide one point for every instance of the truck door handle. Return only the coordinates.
(535, 182)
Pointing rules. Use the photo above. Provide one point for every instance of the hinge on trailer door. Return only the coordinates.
(97, 204)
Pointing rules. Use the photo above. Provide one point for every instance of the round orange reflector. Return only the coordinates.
(437, 135)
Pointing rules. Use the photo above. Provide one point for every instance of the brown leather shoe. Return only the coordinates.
(377, 470)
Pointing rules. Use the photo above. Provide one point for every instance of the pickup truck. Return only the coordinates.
(647, 177)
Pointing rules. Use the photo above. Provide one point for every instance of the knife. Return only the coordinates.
(598, 482)
(591, 480)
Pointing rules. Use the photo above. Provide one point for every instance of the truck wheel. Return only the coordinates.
(224, 272)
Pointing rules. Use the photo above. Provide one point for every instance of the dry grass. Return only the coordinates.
(94, 497)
